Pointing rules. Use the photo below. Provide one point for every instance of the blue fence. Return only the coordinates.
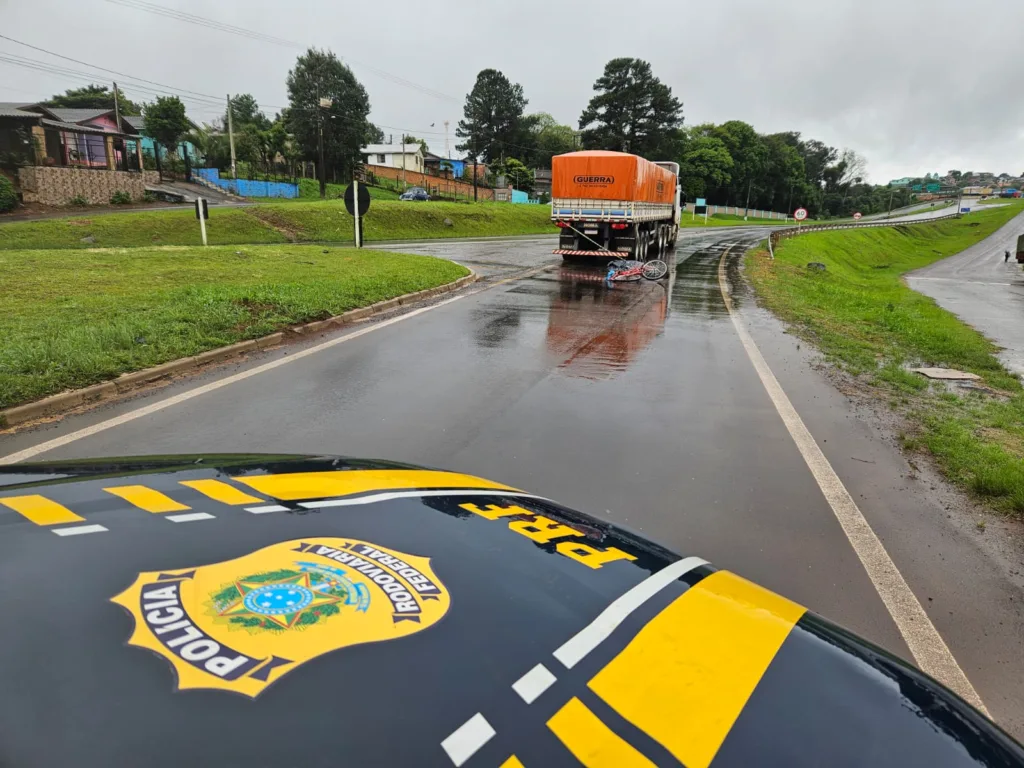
(247, 187)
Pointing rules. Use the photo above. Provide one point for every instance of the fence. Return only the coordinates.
(248, 187)
(738, 210)
(779, 234)
(436, 186)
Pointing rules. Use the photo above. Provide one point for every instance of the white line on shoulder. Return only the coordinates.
(925, 643)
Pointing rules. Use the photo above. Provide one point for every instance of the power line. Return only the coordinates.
(231, 29)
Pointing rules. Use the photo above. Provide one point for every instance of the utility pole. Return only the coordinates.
(474, 178)
(892, 191)
(447, 151)
(117, 110)
(231, 140)
(746, 208)
(117, 121)
(403, 162)
(321, 170)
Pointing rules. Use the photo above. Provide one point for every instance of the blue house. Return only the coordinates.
(138, 122)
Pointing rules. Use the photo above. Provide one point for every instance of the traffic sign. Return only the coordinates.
(364, 200)
(800, 214)
(856, 216)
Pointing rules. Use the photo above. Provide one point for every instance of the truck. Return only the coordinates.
(1020, 249)
(614, 205)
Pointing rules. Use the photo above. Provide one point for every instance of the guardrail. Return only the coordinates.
(779, 234)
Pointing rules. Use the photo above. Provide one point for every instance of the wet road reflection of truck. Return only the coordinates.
(599, 329)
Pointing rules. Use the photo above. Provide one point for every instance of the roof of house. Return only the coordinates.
(138, 122)
(434, 157)
(68, 115)
(15, 109)
(73, 127)
(390, 149)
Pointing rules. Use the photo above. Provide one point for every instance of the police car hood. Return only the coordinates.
(282, 610)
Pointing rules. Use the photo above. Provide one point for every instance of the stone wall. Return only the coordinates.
(58, 186)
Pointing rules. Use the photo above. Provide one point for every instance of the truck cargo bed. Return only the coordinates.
(575, 209)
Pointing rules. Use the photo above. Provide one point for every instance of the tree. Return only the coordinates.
(166, 122)
(550, 139)
(955, 175)
(245, 111)
(516, 173)
(407, 139)
(632, 112)
(493, 123)
(320, 75)
(94, 97)
(705, 163)
(749, 156)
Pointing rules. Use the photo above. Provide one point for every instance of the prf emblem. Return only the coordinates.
(241, 624)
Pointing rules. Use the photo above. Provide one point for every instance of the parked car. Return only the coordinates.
(414, 193)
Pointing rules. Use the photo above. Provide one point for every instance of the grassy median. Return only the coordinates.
(864, 318)
(70, 318)
(296, 221)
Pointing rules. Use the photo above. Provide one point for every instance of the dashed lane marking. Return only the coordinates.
(191, 517)
(78, 530)
(925, 643)
(390, 496)
(466, 740)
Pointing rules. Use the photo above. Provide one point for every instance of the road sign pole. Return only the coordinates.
(357, 217)
(201, 211)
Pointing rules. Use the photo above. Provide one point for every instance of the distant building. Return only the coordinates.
(443, 166)
(408, 156)
(904, 182)
(542, 181)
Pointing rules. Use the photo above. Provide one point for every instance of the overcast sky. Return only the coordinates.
(915, 86)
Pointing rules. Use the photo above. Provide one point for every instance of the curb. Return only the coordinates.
(126, 382)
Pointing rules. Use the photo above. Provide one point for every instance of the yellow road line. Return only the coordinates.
(685, 678)
(40, 510)
(591, 741)
(318, 485)
(221, 491)
(146, 498)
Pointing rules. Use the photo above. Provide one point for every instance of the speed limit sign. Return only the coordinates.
(800, 214)
(856, 216)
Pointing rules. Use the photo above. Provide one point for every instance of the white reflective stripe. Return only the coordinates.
(595, 633)
(410, 495)
(265, 509)
(468, 738)
(78, 530)
(189, 517)
(534, 683)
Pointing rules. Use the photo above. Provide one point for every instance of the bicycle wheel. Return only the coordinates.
(655, 269)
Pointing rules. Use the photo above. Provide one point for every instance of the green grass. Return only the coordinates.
(70, 318)
(1018, 202)
(281, 221)
(862, 315)
(144, 228)
(309, 190)
(396, 220)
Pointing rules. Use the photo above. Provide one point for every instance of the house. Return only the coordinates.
(407, 156)
(60, 155)
(542, 181)
(904, 182)
(442, 166)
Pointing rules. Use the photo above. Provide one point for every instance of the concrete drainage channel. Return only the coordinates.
(129, 382)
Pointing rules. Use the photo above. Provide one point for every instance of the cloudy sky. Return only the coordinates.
(914, 85)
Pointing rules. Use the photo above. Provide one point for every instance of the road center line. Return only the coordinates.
(929, 649)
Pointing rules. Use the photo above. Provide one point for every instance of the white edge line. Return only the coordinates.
(189, 517)
(408, 495)
(78, 530)
(587, 639)
(266, 509)
(465, 740)
(924, 641)
(531, 685)
(147, 410)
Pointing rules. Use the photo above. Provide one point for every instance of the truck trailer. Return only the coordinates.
(614, 205)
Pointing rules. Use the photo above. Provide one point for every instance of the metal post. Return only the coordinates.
(202, 219)
(357, 217)
(231, 141)
(474, 178)
(892, 191)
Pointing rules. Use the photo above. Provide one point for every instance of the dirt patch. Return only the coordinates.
(275, 222)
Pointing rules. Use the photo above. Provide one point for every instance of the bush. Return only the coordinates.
(148, 197)
(78, 200)
(8, 200)
(121, 198)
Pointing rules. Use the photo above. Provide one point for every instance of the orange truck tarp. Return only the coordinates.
(598, 175)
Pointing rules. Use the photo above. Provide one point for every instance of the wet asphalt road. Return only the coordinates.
(984, 290)
(636, 403)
